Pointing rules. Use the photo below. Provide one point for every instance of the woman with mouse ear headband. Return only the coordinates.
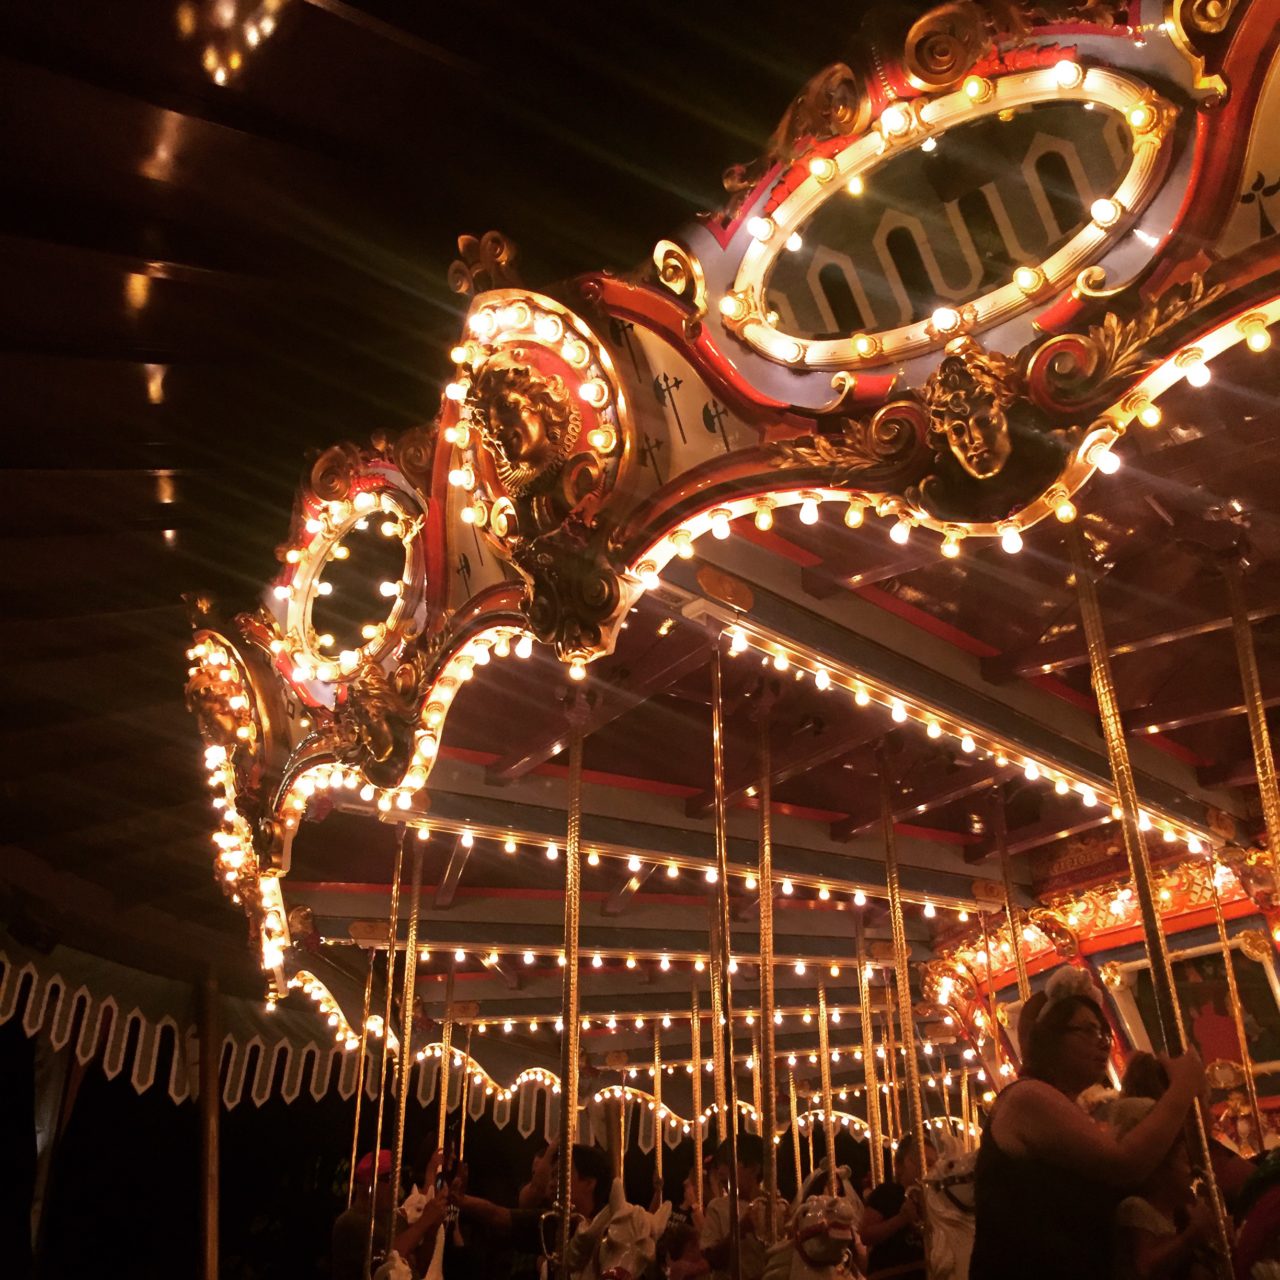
(1048, 1178)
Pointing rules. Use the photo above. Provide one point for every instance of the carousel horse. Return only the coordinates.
(816, 1182)
(821, 1245)
(948, 1209)
(620, 1242)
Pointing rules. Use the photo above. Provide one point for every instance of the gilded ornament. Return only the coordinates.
(1256, 946)
(374, 722)
(333, 472)
(1078, 369)
(681, 272)
(1209, 17)
(1111, 975)
(944, 44)
(968, 397)
(864, 449)
(484, 264)
(834, 103)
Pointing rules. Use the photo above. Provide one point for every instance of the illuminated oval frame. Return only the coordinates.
(903, 125)
(326, 525)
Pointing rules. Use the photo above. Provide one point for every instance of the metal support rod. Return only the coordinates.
(446, 1063)
(695, 1038)
(1263, 759)
(659, 1118)
(464, 1096)
(723, 1027)
(361, 1062)
(210, 1109)
(1237, 1009)
(393, 933)
(766, 1065)
(571, 1003)
(965, 1122)
(901, 954)
(828, 1111)
(1172, 1033)
(1000, 830)
(406, 1028)
(870, 1087)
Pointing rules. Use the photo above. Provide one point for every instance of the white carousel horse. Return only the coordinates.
(620, 1242)
(948, 1209)
(816, 1182)
(821, 1245)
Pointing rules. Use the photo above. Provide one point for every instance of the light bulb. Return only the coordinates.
(823, 168)
(800, 968)
(951, 546)
(577, 669)
(1011, 539)
(824, 893)
(672, 871)
(1031, 770)
(859, 898)
(552, 851)
(780, 661)
(946, 319)
(794, 242)
(901, 531)
(967, 743)
(597, 961)
(855, 186)
(934, 729)
(853, 513)
(737, 641)
(1065, 511)
(1197, 373)
(1069, 75)
(930, 911)
(647, 572)
(760, 228)
(893, 119)
(593, 858)
(682, 540)
(1149, 415)
(720, 523)
(822, 678)
(899, 711)
(1107, 462)
(787, 887)
(764, 513)
(861, 697)
(1257, 335)
(524, 646)
(509, 846)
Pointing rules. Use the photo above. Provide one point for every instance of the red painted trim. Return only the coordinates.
(934, 834)
(767, 540)
(927, 622)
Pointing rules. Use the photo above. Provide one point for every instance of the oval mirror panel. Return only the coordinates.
(949, 221)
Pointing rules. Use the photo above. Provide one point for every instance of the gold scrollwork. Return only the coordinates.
(1209, 17)
(681, 272)
(1254, 944)
(944, 44)
(484, 264)
(1112, 976)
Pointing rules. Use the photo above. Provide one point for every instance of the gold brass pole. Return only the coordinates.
(965, 1125)
(393, 931)
(724, 1033)
(766, 1061)
(1237, 1009)
(1000, 829)
(718, 1078)
(946, 1092)
(901, 955)
(894, 1102)
(659, 1119)
(993, 1006)
(695, 1039)
(406, 1028)
(870, 1087)
(1264, 760)
(1169, 1016)
(570, 1001)
(446, 1063)
(795, 1129)
(360, 1070)
(808, 1132)
(828, 1111)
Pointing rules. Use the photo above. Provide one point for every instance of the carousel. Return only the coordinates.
(775, 660)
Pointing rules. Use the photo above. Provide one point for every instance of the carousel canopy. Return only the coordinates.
(951, 337)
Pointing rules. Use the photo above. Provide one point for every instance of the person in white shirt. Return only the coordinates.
(714, 1238)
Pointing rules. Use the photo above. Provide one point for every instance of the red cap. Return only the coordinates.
(364, 1170)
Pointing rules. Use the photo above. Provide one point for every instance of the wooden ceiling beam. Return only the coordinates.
(1046, 831)
(954, 786)
(447, 889)
(1202, 617)
(1198, 705)
(669, 659)
(808, 750)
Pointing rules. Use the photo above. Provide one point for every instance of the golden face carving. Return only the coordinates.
(968, 398)
(527, 420)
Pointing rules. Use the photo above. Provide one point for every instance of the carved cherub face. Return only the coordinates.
(528, 421)
(520, 427)
(968, 399)
(980, 442)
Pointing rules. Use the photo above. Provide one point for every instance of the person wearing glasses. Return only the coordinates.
(1048, 1178)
